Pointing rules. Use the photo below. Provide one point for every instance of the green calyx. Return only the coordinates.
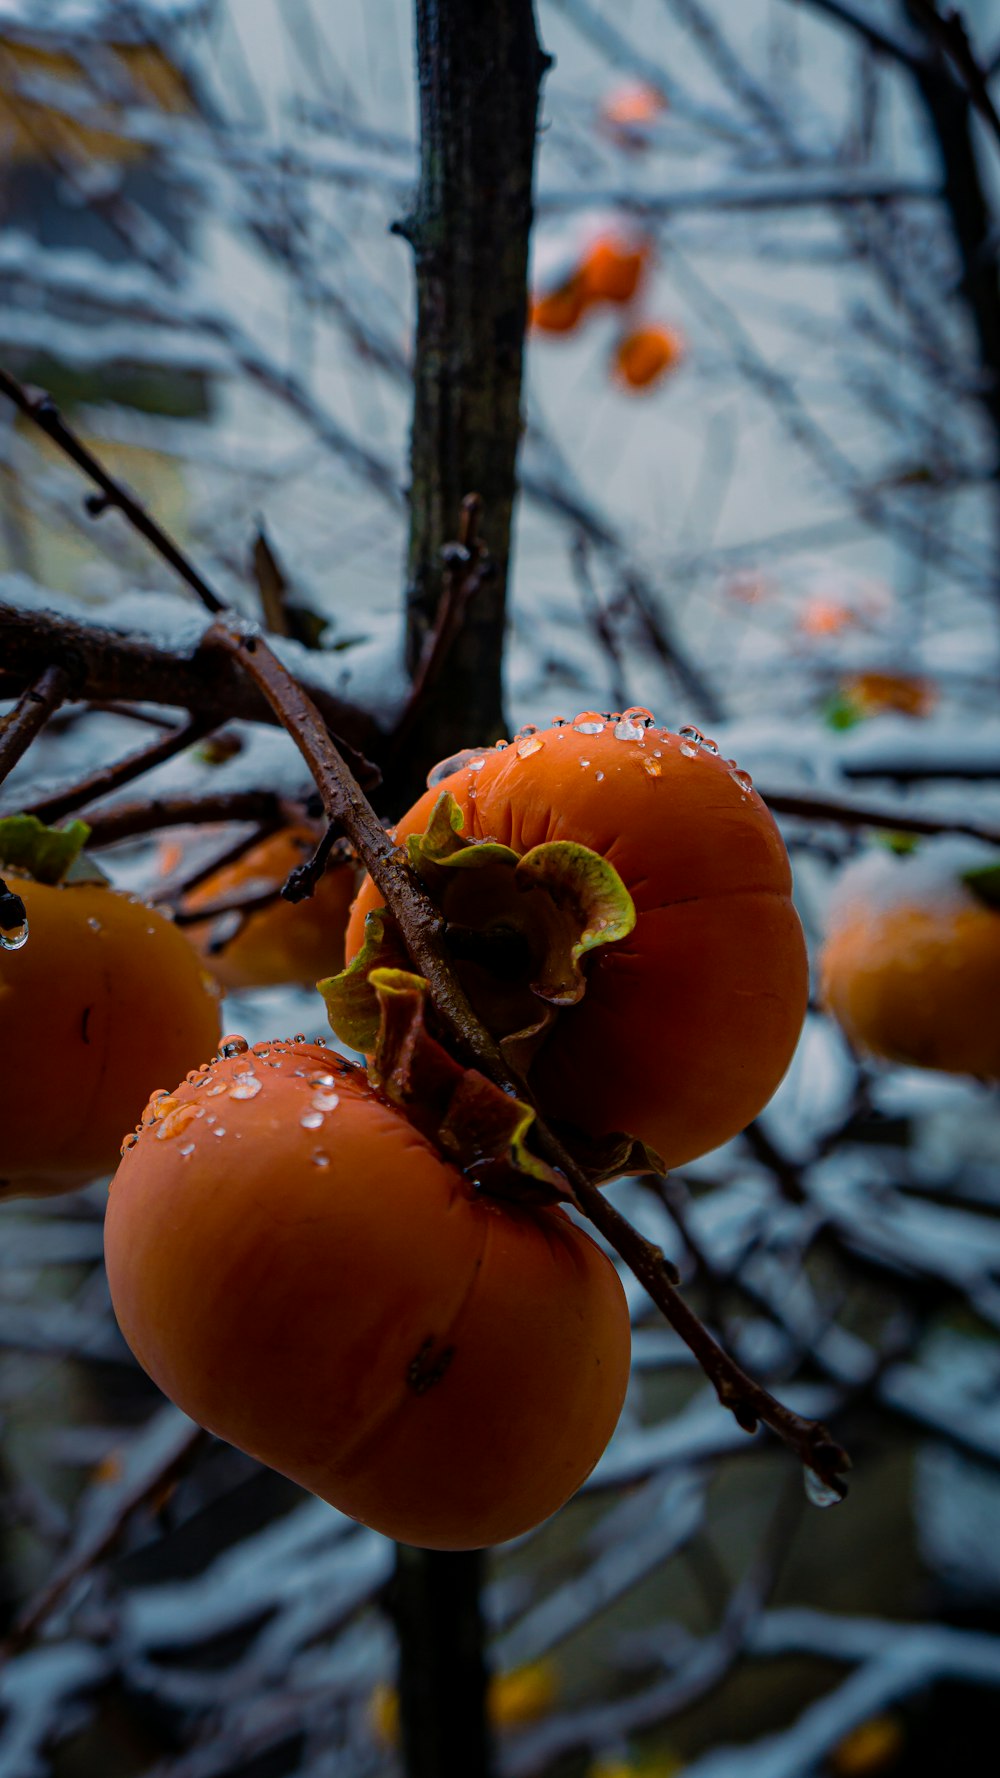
(984, 882)
(48, 854)
(517, 930)
(474, 1123)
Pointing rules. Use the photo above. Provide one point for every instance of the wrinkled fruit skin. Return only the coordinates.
(288, 942)
(918, 985)
(338, 1301)
(104, 1002)
(687, 1025)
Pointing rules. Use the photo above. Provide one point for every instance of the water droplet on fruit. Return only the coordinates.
(477, 764)
(589, 722)
(690, 733)
(245, 1086)
(638, 714)
(299, 1037)
(628, 731)
(93, 922)
(708, 746)
(319, 1159)
(530, 744)
(186, 1149)
(326, 1101)
(585, 762)
(599, 777)
(233, 1046)
(175, 1121)
(311, 1120)
(320, 1080)
(13, 937)
(559, 721)
(220, 1130)
(262, 1050)
(743, 779)
(500, 746)
(689, 750)
(214, 1092)
(652, 768)
(819, 1492)
(528, 728)
(129, 1142)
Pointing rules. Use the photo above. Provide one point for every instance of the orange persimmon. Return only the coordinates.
(305, 1274)
(288, 941)
(911, 964)
(559, 309)
(612, 268)
(104, 1001)
(645, 355)
(629, 111)
(876, 694)
(688, 1023)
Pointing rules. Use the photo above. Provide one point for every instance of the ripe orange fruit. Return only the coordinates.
(645, 355)
(628, 112)
(104, 1001)
(306, 1275)
(911, 964)
(686, 1025)
(612, 268)
(287, 941)
(560, 309)
(875, 694)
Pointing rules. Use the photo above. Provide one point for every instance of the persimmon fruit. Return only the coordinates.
(686, 1024)
(613, 267)
(644, 356)
(309, 1277)
(560, 309)
(103, 1002)
(910, 967)
(287, 942)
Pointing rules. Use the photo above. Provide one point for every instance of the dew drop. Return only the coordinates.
(326, 1101)
(585, 762)
(477, 764)
(500, 746)
(708, 746)
(94, 923)
(319, 1159)
(819, 1492)
(220, 1130)
(628, 731)
(13, 937)
(186, 1149)
(652, 768)
(262, 1050)
(559, 721)
(311, 1120)
(129, 1142)
(599, 777)
(320, 1080)
(299, 1037)
(233, 1046)
(214, 1092)
(528, 728)
(245, 1086)
(690, 733)
(530, 744)
(743, 779)
(589, 722)
(689, 749)
(175, 1122)
(641, 717)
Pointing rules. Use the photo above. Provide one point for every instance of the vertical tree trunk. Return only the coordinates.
(442, 1666)
(480, 70)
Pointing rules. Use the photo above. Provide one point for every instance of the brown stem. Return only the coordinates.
(111, 665)
(32, 711)
(148, 814)
(109, 778)
(820, 808)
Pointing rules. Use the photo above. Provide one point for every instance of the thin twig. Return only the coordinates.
(32, 711)
(823, 808)
(109, 778)
(148, 814)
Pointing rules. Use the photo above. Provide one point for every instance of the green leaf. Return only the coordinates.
(48, 854)
(841, 712)
(352, 1005)
(592, 908)
(984, 882)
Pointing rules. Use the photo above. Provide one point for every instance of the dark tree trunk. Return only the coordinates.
(442, 1667)
(480, 72)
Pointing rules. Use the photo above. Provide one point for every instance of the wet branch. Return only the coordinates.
(32, 711)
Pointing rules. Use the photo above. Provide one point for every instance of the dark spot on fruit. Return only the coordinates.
(429, 1366)
(84, 1022)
